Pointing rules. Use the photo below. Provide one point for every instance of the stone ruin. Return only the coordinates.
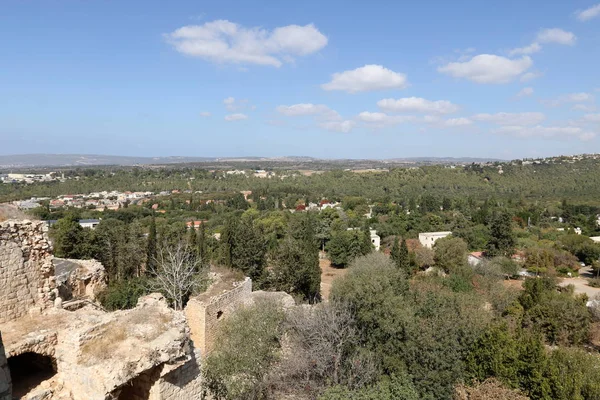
(58, 344)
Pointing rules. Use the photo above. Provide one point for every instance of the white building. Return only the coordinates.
(596, 239)
(428, 239)
(375, 239)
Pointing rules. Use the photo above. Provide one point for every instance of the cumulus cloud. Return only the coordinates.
(488, 68)
(588, 13)
(325, 117)
(338, 126)
(222, 41)
(580, 97)
(235, 117)
(233, 104)
(528, 76)
(457, 122)
(592, 117)
(380, 120)
(303, 109)
(532, 48)
(556, 35)
(527, 91)
(368, 78)
(584, 107)
(546, 132)
(417, 104)
(205, 114)
(503, 118)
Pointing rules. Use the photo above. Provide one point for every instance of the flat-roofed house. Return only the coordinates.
(428, 239)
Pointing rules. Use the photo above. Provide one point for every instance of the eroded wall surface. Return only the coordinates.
(5, 387)
(204, 316)
(26, 271)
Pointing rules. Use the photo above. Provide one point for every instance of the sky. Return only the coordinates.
(330, 79)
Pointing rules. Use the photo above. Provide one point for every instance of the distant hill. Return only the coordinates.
(74, 160)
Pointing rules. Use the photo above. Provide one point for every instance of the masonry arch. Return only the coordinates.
(28, 370)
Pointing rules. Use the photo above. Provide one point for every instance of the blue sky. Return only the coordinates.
(333, 79)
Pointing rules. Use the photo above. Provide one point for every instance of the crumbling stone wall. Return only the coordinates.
(204, 315)
(183, 382)
(77, 279)
(26, 271)
(5, 384)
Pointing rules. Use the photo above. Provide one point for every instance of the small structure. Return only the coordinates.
(428, 239)
(85, 223)
(596, 239)
(89, 223)
(475, 258)
(195, 224)
(375, 239)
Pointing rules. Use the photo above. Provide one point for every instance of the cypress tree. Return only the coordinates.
(395, 254)
(404, 258)
(151, 247)
(202, 252)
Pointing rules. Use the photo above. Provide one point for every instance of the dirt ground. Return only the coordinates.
(581, 281)
(328, 274)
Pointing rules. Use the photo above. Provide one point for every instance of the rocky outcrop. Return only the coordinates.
(26, 271)
(98, 355)
(79, 279)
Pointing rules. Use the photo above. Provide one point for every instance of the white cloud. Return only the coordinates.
(592, 117)
(528, 76)
(569, 98)
(588, 13)
(325, 117)
(231, 104)
(380, 120)
(367, 78)
(235, 117)
(457, 122)
(488, 68)
(532, 48)
(556, 35)
(503, 118)
(584, 107)
(338, 126)
(222, 41)
(417, 104)
(205, 114)
(546, 132)
(527, 91)
(304, 109)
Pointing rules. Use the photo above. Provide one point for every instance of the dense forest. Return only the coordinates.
(405, 322)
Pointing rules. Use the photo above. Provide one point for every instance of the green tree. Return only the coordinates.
(451, 254)
(297, 270)
(404, 258)
(502, 241)
(67, 236)
(151, 245)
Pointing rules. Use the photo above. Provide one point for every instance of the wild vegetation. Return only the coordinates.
(406, 322)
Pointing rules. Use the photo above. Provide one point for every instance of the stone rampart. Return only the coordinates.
(205, 314)
(26, 271)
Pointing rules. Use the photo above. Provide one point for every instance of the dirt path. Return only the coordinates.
(580, 283)
(328, 274)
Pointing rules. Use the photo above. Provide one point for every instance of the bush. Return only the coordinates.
(244, 351)
(395, 388)
(122, 295)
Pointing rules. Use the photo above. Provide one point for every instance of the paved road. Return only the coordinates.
(580, 283)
